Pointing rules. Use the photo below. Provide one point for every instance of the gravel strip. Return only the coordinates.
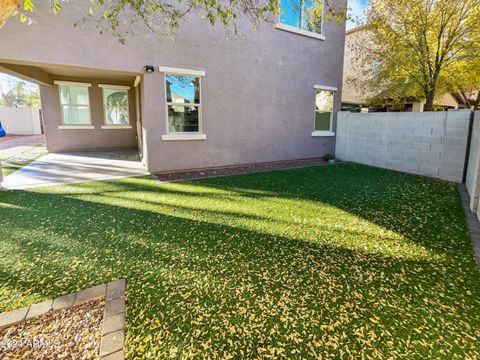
(235, 170)
(71, 333)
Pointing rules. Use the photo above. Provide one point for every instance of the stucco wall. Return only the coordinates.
(81, 139)
(20, 121)
(354, 69)
(431, 143)
(472, 180)
(238, 132)
(257, 95)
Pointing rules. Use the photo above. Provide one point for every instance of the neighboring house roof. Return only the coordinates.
(468, 99)
(357, 29)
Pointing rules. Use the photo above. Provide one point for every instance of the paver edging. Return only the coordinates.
(113, 335)
(113, 324)
(233, 170)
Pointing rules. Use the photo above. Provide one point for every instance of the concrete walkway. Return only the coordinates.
(16, 148)
(76, 167)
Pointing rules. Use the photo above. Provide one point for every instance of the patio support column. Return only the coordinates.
(152, 99)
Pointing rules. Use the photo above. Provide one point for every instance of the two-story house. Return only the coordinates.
(213, 99)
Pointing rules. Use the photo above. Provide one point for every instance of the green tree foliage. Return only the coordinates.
(20, 95)
(420, 48)
(464, 80)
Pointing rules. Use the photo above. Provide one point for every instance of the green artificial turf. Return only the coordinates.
(331, 261)
(9, 168)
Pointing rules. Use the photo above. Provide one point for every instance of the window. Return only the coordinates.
(183, 103)
(74, 102)
(115, 105)
(302, 16)
(183, 106)
(324, 97)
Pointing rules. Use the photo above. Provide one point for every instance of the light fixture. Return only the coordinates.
(149, 68)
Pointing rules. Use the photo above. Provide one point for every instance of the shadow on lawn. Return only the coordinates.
(184, 264)
(392, 200)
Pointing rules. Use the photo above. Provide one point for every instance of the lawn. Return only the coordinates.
(319, 262)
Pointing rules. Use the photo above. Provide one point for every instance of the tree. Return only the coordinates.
(7, 9)
(32, 100)
(20, 95)
(464, 83)
(165, 16)
(417, 46)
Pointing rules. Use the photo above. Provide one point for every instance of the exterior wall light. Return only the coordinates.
(149, 68)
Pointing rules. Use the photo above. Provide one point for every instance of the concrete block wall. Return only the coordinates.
(472, 180)
(20, 121)
(429, 143)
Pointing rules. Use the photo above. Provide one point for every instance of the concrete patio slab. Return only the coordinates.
(14, 146)
(76, 167)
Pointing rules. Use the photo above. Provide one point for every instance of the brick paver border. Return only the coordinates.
(212, 172)
(113, 325)
(472, 222)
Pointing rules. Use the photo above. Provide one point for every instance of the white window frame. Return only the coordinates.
(64, 126)
(296, 30)
(174, 136)
(321, 133)
(114, 87)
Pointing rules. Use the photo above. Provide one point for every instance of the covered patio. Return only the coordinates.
(76, 167)
(83, 108)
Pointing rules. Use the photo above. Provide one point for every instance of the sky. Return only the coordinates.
(7, 82)
(356, 8)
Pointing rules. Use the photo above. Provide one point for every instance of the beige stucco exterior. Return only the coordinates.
(257, 94)
(353, 69)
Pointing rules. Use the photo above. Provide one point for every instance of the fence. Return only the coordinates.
(20, 121)
(472, 180)
(429, 143)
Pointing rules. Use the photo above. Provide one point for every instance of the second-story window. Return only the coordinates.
(306, 15)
